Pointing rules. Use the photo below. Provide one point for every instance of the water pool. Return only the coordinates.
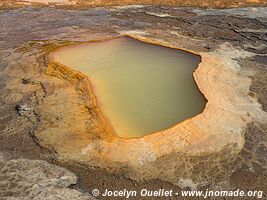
(141, 88)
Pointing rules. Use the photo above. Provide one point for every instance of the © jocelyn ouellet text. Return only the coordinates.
(170, 193)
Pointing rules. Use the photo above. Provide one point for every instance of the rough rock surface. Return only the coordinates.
(50, 103)
(36, 179)
(98, 3)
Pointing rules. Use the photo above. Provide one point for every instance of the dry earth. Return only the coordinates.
(33, 90)
(98, 3)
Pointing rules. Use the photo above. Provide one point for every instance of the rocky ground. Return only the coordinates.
(96, 3)
(28, 95)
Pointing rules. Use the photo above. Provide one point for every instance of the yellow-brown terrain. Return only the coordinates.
(49, 112)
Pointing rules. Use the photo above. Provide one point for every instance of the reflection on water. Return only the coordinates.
(141, 88)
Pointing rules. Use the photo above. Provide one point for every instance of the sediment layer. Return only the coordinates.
(207, 133)
(55, 106)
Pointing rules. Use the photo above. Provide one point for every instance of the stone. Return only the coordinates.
(36, 179)
(22, 109)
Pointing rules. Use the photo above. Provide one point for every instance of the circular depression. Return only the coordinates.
(141, 88)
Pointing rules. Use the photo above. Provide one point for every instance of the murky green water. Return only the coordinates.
(141, 88)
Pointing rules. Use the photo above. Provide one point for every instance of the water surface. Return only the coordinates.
(141, 88)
